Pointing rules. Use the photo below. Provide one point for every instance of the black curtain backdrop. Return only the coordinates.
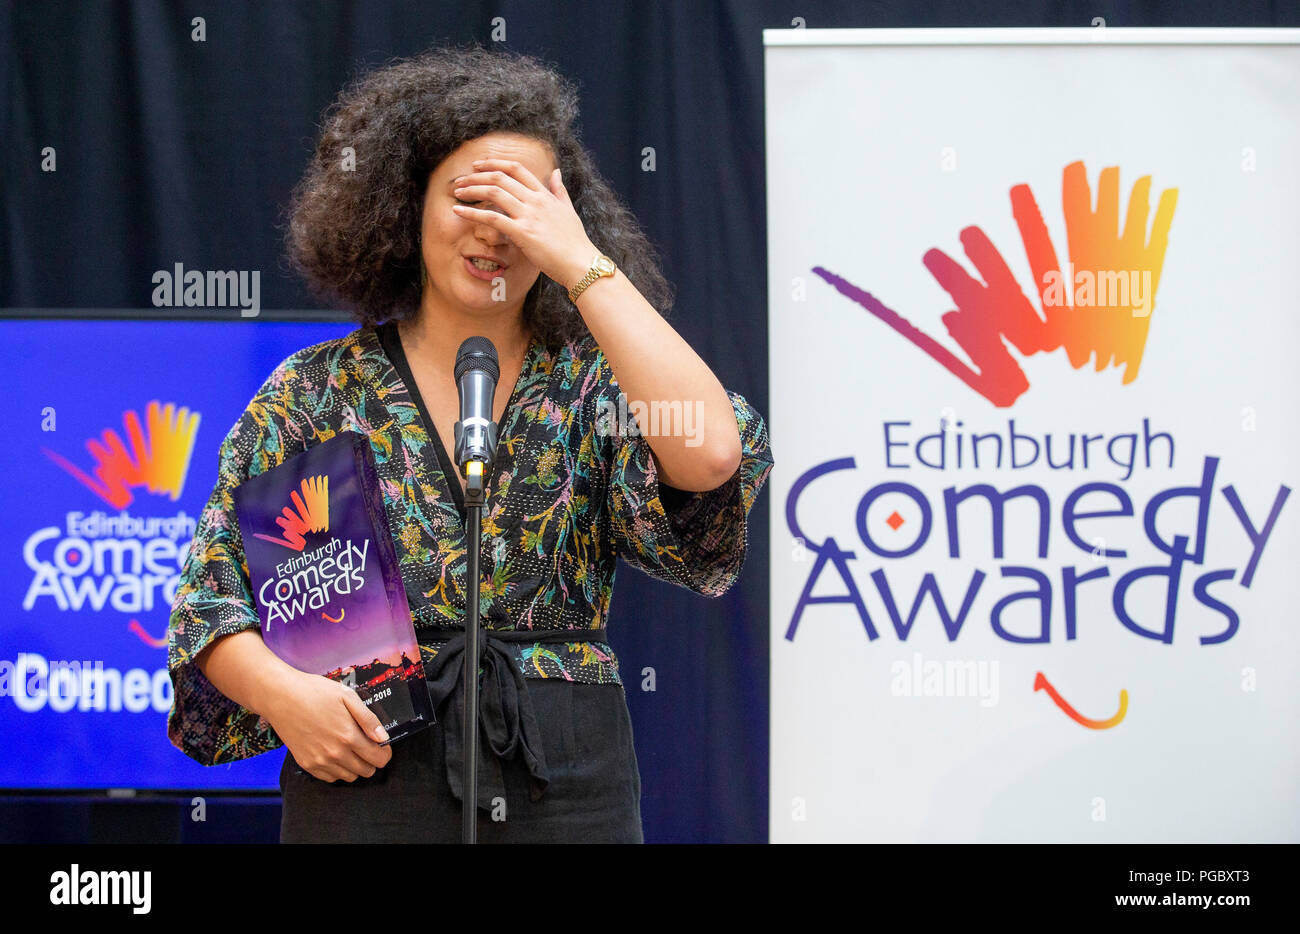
(176, 151)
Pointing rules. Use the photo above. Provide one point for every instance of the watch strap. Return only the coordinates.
(592, 275)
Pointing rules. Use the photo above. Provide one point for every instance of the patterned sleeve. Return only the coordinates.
(697, 540)
(214, 597)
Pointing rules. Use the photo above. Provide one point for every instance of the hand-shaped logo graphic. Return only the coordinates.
(1102, 311)
(311, 513)
(157, 458)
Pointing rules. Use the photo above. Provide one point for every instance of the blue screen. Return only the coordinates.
(80, 591)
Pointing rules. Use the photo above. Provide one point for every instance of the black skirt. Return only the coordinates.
(594, 795)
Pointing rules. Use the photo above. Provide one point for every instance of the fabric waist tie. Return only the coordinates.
(507, 724)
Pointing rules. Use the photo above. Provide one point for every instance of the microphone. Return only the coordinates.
(476, 433)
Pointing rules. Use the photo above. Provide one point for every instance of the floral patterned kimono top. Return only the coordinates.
(567, 496)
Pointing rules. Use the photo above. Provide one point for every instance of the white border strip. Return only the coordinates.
(1073, 35)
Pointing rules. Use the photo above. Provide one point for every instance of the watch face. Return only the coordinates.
(605, 265)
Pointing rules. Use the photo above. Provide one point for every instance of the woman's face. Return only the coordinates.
(449, 240)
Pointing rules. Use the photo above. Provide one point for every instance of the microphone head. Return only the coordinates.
(477, 353)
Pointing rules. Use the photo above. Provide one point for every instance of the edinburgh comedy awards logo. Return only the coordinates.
(122, 561)
(1098, 307)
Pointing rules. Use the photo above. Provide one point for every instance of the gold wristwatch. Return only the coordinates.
(601, 266)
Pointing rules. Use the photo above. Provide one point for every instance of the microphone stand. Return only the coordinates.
(475, 446)
(475, 500)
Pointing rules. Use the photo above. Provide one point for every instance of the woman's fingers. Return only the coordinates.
(514, 172)
(362, 715)
(558, 189)
(344, 765)
(503, 199)
(353, 767)
(367, 732)
(494, 179)
(332, 734)
(371, 752)
(497, 219)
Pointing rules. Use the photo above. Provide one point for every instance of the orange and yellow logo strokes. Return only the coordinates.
(1042, 684)
(155, 455)
(310, 513)
(1097, 307)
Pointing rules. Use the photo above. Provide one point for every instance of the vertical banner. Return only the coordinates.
(1034, 538)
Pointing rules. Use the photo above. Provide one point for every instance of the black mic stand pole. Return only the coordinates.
(475, 446)
(475, 501)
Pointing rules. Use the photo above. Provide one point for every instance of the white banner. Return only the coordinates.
(1033, 339)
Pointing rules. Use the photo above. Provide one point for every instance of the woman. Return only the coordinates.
(449, 197)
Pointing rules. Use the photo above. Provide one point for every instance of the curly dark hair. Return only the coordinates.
(354, 235)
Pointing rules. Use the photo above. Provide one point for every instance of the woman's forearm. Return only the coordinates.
(655, 366)
(241, 667)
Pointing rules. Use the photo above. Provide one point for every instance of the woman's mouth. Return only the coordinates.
(484, 269)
